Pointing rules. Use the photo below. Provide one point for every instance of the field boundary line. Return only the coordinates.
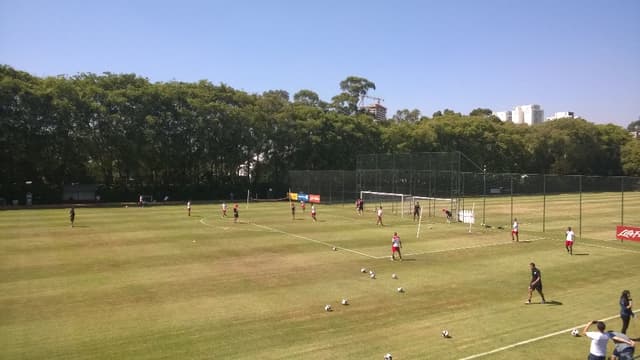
(524, 342)
(313, 240)
(464, 248)
(611, 247)
(230, 227)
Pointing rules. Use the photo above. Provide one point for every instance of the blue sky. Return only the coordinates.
(566, 55)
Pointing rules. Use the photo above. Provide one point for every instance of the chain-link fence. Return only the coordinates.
(591, 205)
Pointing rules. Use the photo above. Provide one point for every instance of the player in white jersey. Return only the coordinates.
(515, 228)
(313, 213)
(224, 209)
(396, 245)
(379, 213)
(189, 207)
(568, 243)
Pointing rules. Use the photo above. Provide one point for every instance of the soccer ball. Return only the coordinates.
(334, 248)
(363, 270)
(372, 275)
(575, 332)
(345, 302)
(394, 276)
(445, 333)
(400, 290)
(388, 357)
(327, 307)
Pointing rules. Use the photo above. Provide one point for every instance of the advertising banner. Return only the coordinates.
(628, 233)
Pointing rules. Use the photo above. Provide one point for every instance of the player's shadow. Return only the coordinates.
(581, 254)
(411, 259)
(80, 226)
(553, 302)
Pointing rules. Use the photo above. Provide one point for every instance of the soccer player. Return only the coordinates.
(293, 210)
(224, 209)
(313, 213)
(72, 215)
(447, 213)
(396, 245)
(379, 222)
(303, 206)
(140, 201)
(514, 230)
(536, 283)
(568, 243)
(236, 215)
(416, 211)
(189, 207)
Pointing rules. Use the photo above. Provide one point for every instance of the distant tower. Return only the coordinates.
(378, 111)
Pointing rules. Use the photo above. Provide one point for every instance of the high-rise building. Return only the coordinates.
(561, 115)
(378, 111)
(527, 114)
(503, 115)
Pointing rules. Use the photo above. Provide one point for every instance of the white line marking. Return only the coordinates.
(534, 339)
(464, 248)
(611, 247)
(313, 240)
(230, 227)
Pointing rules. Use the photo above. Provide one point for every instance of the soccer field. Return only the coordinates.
(153, 283)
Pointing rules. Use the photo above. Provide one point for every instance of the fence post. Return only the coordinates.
(622, 201)
(580, 211)
(484, 192)
(511, 187)
(544, 201)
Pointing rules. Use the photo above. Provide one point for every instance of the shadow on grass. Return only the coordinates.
(553, 302)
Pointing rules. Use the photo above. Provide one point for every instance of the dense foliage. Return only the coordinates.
(129, 134)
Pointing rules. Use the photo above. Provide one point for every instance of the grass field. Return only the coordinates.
(153, 283)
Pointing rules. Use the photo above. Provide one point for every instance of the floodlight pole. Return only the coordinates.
(484, 193)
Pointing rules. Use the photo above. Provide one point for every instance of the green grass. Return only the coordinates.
(152, 283)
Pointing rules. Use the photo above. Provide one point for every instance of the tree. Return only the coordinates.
(634, 126)
(411, 116)
(307, 97)
(481, 112)
(630, 158)
(353, 88)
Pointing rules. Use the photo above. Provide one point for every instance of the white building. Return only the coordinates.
(527, 114)
(503, 115)
(561, 115)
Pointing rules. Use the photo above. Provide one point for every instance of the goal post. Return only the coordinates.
(431, 206)
(393, 202)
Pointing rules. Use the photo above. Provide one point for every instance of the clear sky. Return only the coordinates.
(566, 55)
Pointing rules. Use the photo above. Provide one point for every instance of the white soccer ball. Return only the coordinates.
(575, 332)
(334, 248)
(388, 357)
(327, 307)
(372, 275)
(394, 276)
(445, 333)
(400, 290)
(363, 270)
(345, 302)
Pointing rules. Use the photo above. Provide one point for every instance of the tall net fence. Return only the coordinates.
(591, 205)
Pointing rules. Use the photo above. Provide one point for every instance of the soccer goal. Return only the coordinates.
(393, 202)
(431, 206)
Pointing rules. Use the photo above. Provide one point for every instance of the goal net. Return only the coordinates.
(431, 206)
(391, 202)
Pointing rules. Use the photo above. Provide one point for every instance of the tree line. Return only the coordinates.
(204, 140)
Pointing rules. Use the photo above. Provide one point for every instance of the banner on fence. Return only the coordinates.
(628, 233)
(304, 197)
